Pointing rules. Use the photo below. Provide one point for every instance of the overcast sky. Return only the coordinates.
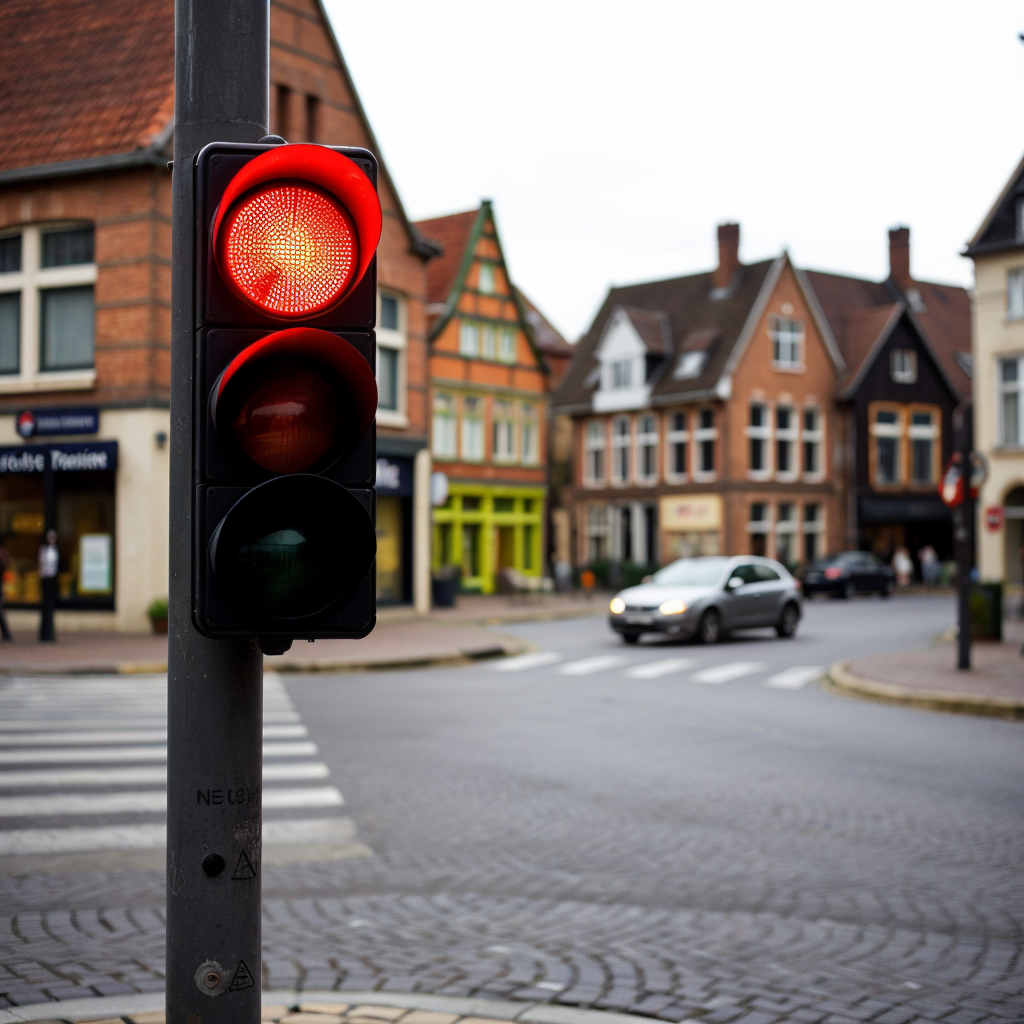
(613, 137)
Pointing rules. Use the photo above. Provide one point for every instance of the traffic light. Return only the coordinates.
(284, 392)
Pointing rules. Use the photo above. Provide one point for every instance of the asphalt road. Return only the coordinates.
(696, 833)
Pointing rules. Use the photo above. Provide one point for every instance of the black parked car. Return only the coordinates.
(848, 573)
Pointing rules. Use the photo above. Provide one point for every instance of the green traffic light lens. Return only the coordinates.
(294, 545)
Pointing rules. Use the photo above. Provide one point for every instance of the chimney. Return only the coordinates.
(899, 258)
(728, 255)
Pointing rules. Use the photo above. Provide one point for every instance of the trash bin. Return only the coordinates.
(987, 611)
(444, 586)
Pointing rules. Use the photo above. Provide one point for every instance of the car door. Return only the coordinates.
(771, 592)
(740, 605)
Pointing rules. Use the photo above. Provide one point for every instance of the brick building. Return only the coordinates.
(490, 398)
(85, 300)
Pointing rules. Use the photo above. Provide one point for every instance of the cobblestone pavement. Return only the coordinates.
(745, 851)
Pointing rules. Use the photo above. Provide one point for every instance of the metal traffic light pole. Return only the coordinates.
(214, 738)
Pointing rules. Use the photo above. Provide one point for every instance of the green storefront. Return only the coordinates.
(483, 528)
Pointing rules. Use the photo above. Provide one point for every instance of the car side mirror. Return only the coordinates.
(735, 582)
(647, 579)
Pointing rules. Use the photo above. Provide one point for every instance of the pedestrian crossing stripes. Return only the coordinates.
(108, 762)
(793, 677)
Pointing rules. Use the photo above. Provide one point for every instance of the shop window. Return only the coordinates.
(1011, 402)
(472, 430)
(528, 505)
(595, 447)
(812, 440)
(503, 445)
(678, 441)
(787, 342)
(47, 311)
(444, 426)
(759, 437)
(531, 435)
(620, 449)
(22, 526)
(389, 549)
(706, 435)
(469, 340)
(647, 449)
(904, 366)
(785, 441)
(471, 503)
(507, 351)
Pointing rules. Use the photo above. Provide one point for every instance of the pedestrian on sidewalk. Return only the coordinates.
(929, 559)
(49, 562)
(5, 564)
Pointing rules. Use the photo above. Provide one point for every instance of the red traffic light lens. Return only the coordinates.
(288, 415)
(290, 249)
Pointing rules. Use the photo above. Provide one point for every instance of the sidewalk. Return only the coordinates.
(401, 639)
(929, 678)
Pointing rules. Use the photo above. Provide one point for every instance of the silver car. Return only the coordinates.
(707, 598)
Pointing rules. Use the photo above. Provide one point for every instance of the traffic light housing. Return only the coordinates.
(284, 539)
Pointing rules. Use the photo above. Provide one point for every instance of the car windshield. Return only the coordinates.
(692, 572)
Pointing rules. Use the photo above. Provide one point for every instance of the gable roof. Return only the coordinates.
(854, 308)
(999, 228)
(452, 234)
(549, 339)
(652, 328)
(84, 79)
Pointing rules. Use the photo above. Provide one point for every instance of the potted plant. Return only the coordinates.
(157, 612)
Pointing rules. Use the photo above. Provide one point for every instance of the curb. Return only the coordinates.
(107, 1007)
(839, 679)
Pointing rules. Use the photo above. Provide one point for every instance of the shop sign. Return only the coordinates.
(48, 422)
(994, 517)
(691, 512)
(394, 476)
(60, 458)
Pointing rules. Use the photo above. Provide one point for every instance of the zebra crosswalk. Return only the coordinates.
(791, 677)
(83, 770)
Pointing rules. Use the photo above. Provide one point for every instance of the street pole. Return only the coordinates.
(214, 688)
(963, 535)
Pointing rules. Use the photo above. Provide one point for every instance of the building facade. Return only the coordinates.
(490, 395)
(85, 302)
(998, 335)
(703, 419)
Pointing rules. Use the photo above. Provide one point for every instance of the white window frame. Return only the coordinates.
(471, 429)
(892, 431)
(503, 431)
(763, 434)
(488, 342)
(620, 374)
(815, 437)
(622, 443)
(790, 436)
(786, 528)
(764, 525)
(397, 341)
(444, 433)
(646, 439)
(595, 440)
(673, 438)
(485, 278)
(530, 434)
(597, 529)
(469, 339)
(903, 366)
(507, 345)
(922, 432)
(30, 281)
(700, 435)
(787, 335)
(816, 526)
(1004, 388)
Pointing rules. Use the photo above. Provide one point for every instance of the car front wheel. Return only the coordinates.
(788, 621)
(630, 638)
(710, 628)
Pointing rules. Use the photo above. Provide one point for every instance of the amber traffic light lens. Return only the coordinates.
(288, 415)
(290, 249)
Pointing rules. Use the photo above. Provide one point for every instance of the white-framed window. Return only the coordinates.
(622, 373)
(620, 449)
(690, 365)
(507, 349)
(1010, 383)
(759, 525)
(472, 429)
(595, 450)
(786, 433)
(503, 431)
(887, 436)
(787, 337)
(530, 435)
(705, 437)
(391, 350)
(47, 310)
(678, 444)
(812, 437)
(1015, 294)
(785, 533)
(904, 366)
(485, 281)
(444, 426)
(597, 532)
(923, 431)
(647, 448)
(469, 339)
(813, 528)
(759, 435)
(490, 344)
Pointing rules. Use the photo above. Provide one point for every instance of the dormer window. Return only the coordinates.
(690, 365)
(904, 366)
(622, 373)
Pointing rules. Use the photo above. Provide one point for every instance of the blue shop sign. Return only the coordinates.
(48, 422)
(79, 457)
(394, 476)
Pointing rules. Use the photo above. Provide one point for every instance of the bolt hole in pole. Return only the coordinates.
(213, 865)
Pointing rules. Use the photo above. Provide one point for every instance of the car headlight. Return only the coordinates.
(672, 608)
(618, 606)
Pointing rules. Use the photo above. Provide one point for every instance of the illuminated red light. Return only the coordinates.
(290, 249)
(833, 572)
(288, 417)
